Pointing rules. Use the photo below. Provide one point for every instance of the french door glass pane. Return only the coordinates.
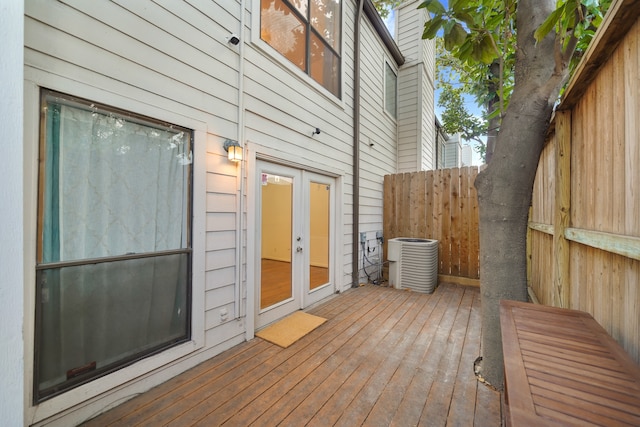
(277, 220)
(319, 234)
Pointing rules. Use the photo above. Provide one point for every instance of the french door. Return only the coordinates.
(296, 229)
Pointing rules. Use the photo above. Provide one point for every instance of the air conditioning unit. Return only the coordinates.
(413, 264)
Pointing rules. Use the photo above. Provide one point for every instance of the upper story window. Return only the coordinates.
(390, 91)
(307, 33)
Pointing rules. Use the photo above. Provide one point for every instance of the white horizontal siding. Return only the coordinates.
(221, 276)
(427, 120)
(224, 336)
(97, 46)
(221, 240)
(408, 109)
(378, 129)
(217, 221)
(408, 30)
(416, 136)
(170, 59)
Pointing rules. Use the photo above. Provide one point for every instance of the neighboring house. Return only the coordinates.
(416, 85)
(143, 250)
(450, 152)
(453, 152)
(467, 155)
(440, 143)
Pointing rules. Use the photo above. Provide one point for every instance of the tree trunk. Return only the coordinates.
(492, 105)
(506, 185)
(492, 132)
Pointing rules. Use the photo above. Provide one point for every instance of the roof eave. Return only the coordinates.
(383, 32)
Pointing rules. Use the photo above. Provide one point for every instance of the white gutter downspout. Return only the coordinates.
(355, 276)
(239, 308)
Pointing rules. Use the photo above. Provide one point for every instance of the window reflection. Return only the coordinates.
(284, 31)
(324, 65)
(325, 18)
(307, 33)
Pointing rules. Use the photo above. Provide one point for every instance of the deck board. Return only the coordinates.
(385, 357)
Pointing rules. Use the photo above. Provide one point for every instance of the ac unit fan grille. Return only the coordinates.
(418, 265)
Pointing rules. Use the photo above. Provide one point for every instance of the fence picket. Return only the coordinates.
(440, 205)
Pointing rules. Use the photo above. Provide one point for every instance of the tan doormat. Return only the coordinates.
(290, 329)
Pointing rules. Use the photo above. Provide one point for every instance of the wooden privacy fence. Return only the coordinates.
(441, 205)
(584, 239)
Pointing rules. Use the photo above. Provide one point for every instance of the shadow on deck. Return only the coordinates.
(385, 357)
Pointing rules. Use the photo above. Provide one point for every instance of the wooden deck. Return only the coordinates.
(385, 357)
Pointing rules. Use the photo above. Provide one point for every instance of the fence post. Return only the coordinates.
(562, 215)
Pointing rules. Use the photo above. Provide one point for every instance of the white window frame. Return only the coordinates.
(144, 369)
(394, 70)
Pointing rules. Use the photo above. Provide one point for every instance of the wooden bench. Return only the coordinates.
(562, 368)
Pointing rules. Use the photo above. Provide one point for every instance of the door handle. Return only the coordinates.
(299, 249)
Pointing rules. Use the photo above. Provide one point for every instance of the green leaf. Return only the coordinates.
(465, 17)
(569, 16)
(495, 113)
(431, 28)
(484, 51)
(465, 50)
(577, 32)
(548, 24)
(456, 36)
(458, 4)
(494, 22)
(448, 43)
(597, 21)
(448, 25)
(436, 7)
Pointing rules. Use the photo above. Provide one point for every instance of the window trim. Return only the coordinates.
(142, 375)
(387, 63)
(44, 396)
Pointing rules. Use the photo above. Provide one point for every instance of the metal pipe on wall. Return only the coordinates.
(356, 147)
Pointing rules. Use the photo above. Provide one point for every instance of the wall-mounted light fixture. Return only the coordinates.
(315, 132)
(234, 149)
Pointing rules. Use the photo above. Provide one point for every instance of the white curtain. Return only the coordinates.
(122, 186)
(113, 186)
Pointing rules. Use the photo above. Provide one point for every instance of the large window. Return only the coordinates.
(307, 33)
(114, 241)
